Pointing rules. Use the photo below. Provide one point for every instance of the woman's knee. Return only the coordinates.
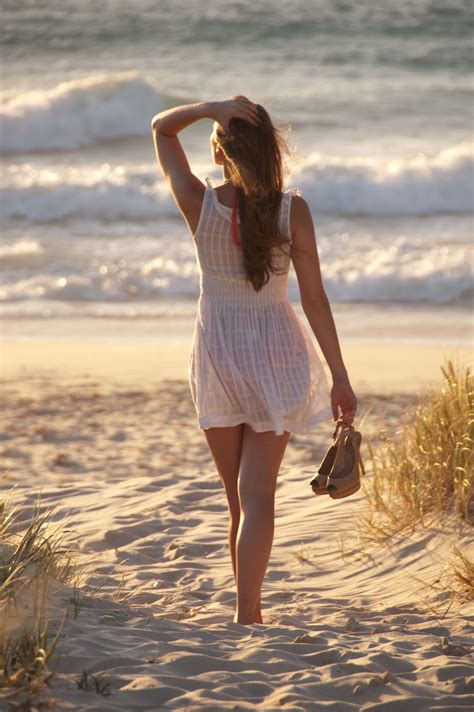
(256, 488)
(260, 461)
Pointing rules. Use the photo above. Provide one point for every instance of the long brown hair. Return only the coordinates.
(255, 156)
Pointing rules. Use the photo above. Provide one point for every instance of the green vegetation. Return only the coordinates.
(30, 559)
(427, 471)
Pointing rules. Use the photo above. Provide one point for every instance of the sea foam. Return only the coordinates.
(442, 183)
(78, 113)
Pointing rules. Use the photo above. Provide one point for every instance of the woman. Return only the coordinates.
(254, 373)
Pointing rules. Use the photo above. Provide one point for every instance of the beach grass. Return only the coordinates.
(462, 575)
(32, 556)
(425, 472)
(34, 560)
(25, 654)
(93, 683)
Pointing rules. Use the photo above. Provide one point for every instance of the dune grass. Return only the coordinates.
(462, 575)
(426, 471)
(32, 555)
(93, 683)
(34, 559)
(24, 657)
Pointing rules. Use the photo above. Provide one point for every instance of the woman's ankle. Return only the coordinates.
(244, 619)
(248, 613)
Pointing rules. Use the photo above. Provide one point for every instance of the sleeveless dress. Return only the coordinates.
(252, 361)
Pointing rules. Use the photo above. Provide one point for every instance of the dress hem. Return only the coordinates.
(292, 426)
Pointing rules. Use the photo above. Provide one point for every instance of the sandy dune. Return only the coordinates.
(341, 631)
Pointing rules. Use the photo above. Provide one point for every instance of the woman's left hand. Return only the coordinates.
(343, 397)
(235, 107)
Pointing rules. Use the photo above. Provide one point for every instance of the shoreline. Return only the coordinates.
(374, 367)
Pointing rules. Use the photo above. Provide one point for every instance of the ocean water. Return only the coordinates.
(378, 100)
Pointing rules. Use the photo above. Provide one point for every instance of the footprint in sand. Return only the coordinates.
(175, 550)
(353, 626)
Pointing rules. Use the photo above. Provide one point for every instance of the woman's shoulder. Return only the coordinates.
(295, 201)
(293, 191)
(300, 212)
(211, 182)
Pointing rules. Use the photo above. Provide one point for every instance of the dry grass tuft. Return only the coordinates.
(25, 655)
(93, 683)
(32, 555)
(34, 560)
(427, 472)
(462, 575)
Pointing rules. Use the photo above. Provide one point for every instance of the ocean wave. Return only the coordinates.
(78, 113)
(101, 192)
(421, 185)
(400, 270)
(442, 183)
(22, 253)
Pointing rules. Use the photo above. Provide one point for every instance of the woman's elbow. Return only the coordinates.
(155, 121)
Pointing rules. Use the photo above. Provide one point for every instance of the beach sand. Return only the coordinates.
(106, 431)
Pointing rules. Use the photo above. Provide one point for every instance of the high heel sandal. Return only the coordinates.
(319, 482)
(344, 478)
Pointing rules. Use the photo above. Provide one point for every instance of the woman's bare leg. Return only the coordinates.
(225, 445)
(260, 461)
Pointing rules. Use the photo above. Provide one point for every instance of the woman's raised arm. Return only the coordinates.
(185, 187)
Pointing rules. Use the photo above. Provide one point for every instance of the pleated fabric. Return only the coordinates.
(252, 360)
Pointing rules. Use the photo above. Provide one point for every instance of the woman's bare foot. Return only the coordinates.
(247, 618)
(243, 619)
(258, 613)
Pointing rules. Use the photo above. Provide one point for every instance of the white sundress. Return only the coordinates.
(252, 361)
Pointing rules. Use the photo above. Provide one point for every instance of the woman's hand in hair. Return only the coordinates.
(236, 107)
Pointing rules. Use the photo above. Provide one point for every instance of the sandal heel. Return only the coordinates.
(344, 480)
(319, 482)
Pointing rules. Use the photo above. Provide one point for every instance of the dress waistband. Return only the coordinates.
(240, 293)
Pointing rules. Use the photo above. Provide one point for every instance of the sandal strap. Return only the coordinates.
(341, 424)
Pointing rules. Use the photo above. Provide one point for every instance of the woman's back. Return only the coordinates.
(220, 261)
